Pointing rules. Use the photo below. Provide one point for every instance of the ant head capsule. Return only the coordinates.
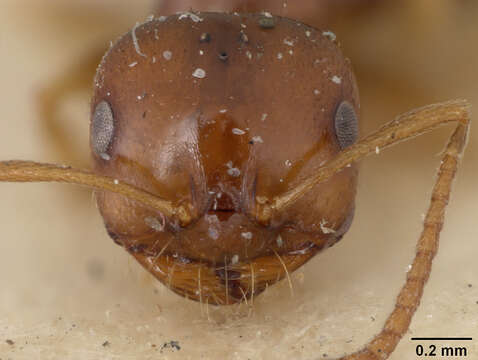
(187, 110)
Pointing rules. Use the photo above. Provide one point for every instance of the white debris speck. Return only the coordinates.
(291, 52)
(168, 55)
(279, 241)
(257, 140)
(211, 219)
(288, 163)
(154, 60)
(235, 259)
(336, 79)
(281, 180)
(135, 41)
(409, 267)
(316, 92)
(155, 224)
(201, 52)
(156, 34)
(324, 228)
(289, 41)
(108, 94)
(133, 64)
(279, 56)
(162, 18)
(105, 156)
(247, 235)
(307, 33)
(243, 26)
(377, 150)
(116, 181)
(223, 111)
(139, 97)
(330, 35)
(213, 233)
(237, 131)
(300, 252)
(190, 15)
(264, 117)
(199, 73)
(249, 55)
(244, 37)
(267, 14)
(232, 171)
(150, 18)
(429, 316)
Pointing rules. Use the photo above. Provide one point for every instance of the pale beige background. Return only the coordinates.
(65, 288)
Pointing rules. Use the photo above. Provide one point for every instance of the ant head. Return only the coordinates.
(222, 112)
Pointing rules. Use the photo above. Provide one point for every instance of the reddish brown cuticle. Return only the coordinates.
(214, 131)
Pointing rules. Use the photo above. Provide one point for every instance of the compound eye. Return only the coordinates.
(102, 130)
(346, 125)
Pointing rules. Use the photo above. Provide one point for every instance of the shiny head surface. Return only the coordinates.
(219, 112)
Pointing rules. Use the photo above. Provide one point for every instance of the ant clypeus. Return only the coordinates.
(192, 193)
